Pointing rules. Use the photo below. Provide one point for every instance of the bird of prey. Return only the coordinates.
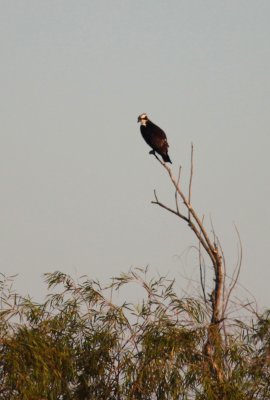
(155, 137)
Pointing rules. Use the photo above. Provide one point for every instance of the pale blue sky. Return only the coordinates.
(76, 177)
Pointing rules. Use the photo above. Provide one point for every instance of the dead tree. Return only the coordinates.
(212, 351)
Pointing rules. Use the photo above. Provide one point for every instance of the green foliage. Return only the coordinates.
(80, 344)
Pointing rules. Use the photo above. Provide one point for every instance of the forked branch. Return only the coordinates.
(214, 340)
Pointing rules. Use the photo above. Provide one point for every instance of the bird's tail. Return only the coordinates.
(166, 158)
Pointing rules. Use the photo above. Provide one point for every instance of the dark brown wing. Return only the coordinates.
(155, 137)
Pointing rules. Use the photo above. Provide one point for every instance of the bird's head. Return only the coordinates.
(142, 119)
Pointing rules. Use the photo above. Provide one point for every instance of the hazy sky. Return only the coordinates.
(76, 178)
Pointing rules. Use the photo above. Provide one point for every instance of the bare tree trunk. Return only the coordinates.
(213, 347)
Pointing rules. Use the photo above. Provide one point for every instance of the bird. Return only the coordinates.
(155, 137)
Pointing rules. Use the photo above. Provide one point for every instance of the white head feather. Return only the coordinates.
(143, 119)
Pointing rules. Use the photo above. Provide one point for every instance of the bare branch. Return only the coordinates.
(210, 249)
(236, 272)
(190, 223)
(176, 193)
(202, 272)
(168, 208)
(190, 179)
(214, 338)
